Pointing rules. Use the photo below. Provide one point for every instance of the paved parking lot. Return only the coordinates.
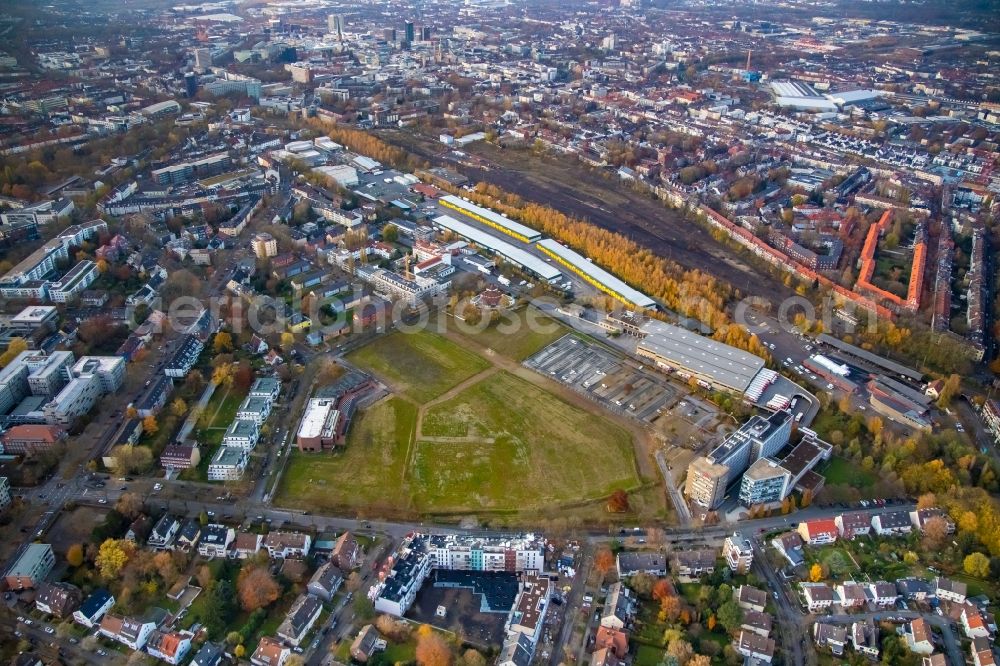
(604, 377)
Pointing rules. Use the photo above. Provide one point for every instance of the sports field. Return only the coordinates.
(505, 444)
(419, 366)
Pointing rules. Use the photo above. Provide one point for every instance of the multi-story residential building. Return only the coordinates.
(521, 553)
(818, 532)
(94, 607)
(79, 278)
(325, 582)
(738, 552)
(527, 616)
(300, 619)
(991, 416)
(28, 278)
(163, 533)
(184, 358)
(851, 594)
(287, 544)
(818, 596)
(694, 563)
(57, 599)
(180, 456)
(264, 245)
(228, 464)
(755, 648)
(128, 631)
(242, 433)
(892, 523)
(215, 540)
(864, 638)
(13, 384)
(619, 607)
(946, 589)
(210, 654)
(254, 409)
(266, 387)
(853, 524)
(246, 545)
(882, 593)
(918, 636)
(418, 554)
(750, 598)
(630, 564)
(31, 567)
(346, 553)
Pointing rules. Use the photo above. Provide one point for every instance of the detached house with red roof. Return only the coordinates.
(818, 532)
(270, 652)
(170, 646)
(973, 623)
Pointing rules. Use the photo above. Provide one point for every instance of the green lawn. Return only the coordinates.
(844, 472)
(222, 407)
(401, 653)
(359, 474)
(523, 447)
(420, 366)
(838, 562)
(646, 655)
(520, 335)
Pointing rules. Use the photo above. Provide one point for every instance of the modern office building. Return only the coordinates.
(759, 437)
(706, 482)
(766, 482)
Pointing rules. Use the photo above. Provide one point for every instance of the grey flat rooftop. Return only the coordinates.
(725, 365)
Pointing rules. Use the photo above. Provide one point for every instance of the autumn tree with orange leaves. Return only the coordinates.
(432, 650)
(256, 588)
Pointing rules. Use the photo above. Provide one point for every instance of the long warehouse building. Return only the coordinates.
(595, 275)
(712, 363)
(511, 253)
(488, 217)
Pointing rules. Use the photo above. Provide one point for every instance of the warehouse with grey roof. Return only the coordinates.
(712, 363)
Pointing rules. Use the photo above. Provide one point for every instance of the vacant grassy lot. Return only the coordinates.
(522, 334)
(420, 366)
(844, 472)
(359, 475)
(517, 447)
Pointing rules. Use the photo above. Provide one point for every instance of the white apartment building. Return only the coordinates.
(228, 464)
(74, 282)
